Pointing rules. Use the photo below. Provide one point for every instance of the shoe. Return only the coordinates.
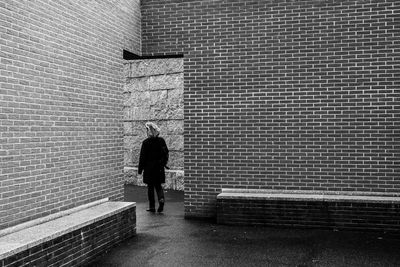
(151, 210)
(161, 207)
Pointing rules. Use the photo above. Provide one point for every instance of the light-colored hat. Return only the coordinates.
(154, 130)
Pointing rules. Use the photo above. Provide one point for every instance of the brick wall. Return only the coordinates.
(154, 92)
(61, 79)
(288, 94)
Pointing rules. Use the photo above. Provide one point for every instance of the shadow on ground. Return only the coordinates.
(169, 240)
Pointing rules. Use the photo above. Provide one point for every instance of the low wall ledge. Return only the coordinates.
(29, 237)
(301, 195)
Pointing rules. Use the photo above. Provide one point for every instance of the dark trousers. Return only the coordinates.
(150, 194)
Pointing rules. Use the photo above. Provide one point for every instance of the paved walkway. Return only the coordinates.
(170, 240)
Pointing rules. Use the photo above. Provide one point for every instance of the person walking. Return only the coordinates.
(152, 161)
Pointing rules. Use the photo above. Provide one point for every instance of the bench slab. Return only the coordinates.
(89, 229)
(306, 196)
(332, 210)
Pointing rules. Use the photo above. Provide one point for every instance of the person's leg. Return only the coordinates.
(150, 195)
(160, 196)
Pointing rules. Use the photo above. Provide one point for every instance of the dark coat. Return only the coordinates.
(153, 159)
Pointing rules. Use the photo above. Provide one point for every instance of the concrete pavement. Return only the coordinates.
(169, 240)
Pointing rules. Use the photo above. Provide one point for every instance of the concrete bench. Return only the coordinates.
(330, 210)
(68, 238)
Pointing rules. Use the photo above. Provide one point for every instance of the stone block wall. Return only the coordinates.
(61, 126)
(154, 92)
(284, 94)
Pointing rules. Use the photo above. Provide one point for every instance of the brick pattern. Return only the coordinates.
(80, 246)
(61, 76)
(312, 214)
(291, 94)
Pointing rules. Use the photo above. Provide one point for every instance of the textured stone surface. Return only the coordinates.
(171, 81)
(154, 92)
(174, 179)
(151, 67)
(174, 142)
(171, 127)
(151, 111)
(306, 196)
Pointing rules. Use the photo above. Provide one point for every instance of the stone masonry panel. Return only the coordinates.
(151, 67)
(154, 92)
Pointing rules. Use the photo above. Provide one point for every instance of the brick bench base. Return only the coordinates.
(70, 240)
(308, 209)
